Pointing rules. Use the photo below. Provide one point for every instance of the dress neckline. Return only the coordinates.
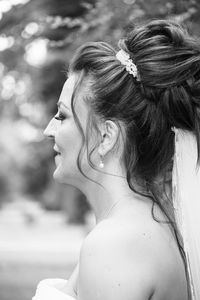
(51, 289)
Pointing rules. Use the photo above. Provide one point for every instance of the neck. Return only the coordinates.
(109, 194)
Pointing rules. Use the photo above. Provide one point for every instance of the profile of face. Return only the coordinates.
(67, 137)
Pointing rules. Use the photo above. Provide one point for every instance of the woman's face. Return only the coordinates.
(66, 135)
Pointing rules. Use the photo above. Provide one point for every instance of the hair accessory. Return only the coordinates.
(126, 61)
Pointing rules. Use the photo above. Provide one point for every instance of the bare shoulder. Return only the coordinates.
(115, 264)
(122, 261)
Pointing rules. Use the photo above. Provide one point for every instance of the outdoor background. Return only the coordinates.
(42, 223)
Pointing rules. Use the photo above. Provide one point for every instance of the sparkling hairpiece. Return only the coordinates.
(126, 61)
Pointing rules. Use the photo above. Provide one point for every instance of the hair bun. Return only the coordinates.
(173, 32)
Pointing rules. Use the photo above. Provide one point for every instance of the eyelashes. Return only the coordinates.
(60, 117)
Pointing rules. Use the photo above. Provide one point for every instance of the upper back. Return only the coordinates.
(131, 259)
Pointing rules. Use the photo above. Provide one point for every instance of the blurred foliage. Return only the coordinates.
(37, 40)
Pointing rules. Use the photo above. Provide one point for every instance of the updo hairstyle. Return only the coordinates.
(167, 96)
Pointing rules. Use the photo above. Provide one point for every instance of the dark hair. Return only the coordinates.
(167, 95)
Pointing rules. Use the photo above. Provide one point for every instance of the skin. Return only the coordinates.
(127, 255)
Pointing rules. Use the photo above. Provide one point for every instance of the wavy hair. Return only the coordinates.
(167, 95)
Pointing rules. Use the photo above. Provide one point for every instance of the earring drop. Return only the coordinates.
(101, 164)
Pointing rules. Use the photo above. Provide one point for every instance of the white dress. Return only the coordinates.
(51, 289)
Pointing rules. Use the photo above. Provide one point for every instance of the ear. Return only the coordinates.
(109, 136)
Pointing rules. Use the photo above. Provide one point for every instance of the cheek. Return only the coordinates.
(68, 139)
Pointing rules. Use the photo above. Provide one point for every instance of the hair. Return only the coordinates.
(167, 96)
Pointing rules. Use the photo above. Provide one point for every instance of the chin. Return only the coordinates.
(58, 174)
(63, 178)
(58, 178)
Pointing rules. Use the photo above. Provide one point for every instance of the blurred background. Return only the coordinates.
(42, 223)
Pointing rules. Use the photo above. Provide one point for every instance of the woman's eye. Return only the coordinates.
(59, 117)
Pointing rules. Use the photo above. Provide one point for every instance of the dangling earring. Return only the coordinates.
(101, 164)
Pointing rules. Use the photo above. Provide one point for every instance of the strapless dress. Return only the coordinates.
(51, 289)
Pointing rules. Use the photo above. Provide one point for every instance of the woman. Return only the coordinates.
(114, 139)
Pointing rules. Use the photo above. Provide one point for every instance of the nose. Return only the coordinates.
(50, 130)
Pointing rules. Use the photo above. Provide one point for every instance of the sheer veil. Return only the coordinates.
(186, 201)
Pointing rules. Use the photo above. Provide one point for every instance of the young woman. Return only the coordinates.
(114, 138)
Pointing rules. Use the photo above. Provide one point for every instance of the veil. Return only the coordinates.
(186, 202)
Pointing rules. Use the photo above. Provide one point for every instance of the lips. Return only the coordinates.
(56, 151)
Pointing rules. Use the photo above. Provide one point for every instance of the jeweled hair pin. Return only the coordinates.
(126, 61)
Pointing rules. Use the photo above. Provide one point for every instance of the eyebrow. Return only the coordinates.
(59, 104)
